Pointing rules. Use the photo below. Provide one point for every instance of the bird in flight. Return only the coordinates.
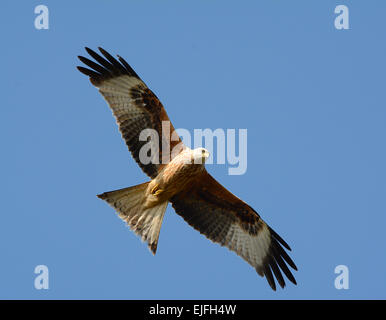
(182, 180)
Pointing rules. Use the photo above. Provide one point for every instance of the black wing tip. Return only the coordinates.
(103, 51)
(276, 271)
(280, 239)
(268, 275)
(275, 263)
(105, 67)
(83, 59)
(90, 51)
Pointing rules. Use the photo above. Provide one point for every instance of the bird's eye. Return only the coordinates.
(202, 151)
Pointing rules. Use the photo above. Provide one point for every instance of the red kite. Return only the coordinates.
(183, 181)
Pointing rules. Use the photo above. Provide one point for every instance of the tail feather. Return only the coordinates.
(130, 205)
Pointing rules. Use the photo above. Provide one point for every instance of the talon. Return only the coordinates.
(157, 192)
(154, 189)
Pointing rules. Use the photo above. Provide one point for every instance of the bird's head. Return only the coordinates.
(200, 155)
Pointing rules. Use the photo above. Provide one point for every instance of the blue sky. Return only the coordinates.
(311, 97)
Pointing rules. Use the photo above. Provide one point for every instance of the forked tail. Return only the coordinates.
(130, 204)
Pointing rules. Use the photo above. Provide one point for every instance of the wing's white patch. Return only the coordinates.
(252, 248)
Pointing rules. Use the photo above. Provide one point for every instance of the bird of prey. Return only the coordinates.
(183, 180)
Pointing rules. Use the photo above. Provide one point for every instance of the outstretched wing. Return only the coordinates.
(225, 219)
(136, 108)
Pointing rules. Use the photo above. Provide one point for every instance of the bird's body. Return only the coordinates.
(178, 176)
